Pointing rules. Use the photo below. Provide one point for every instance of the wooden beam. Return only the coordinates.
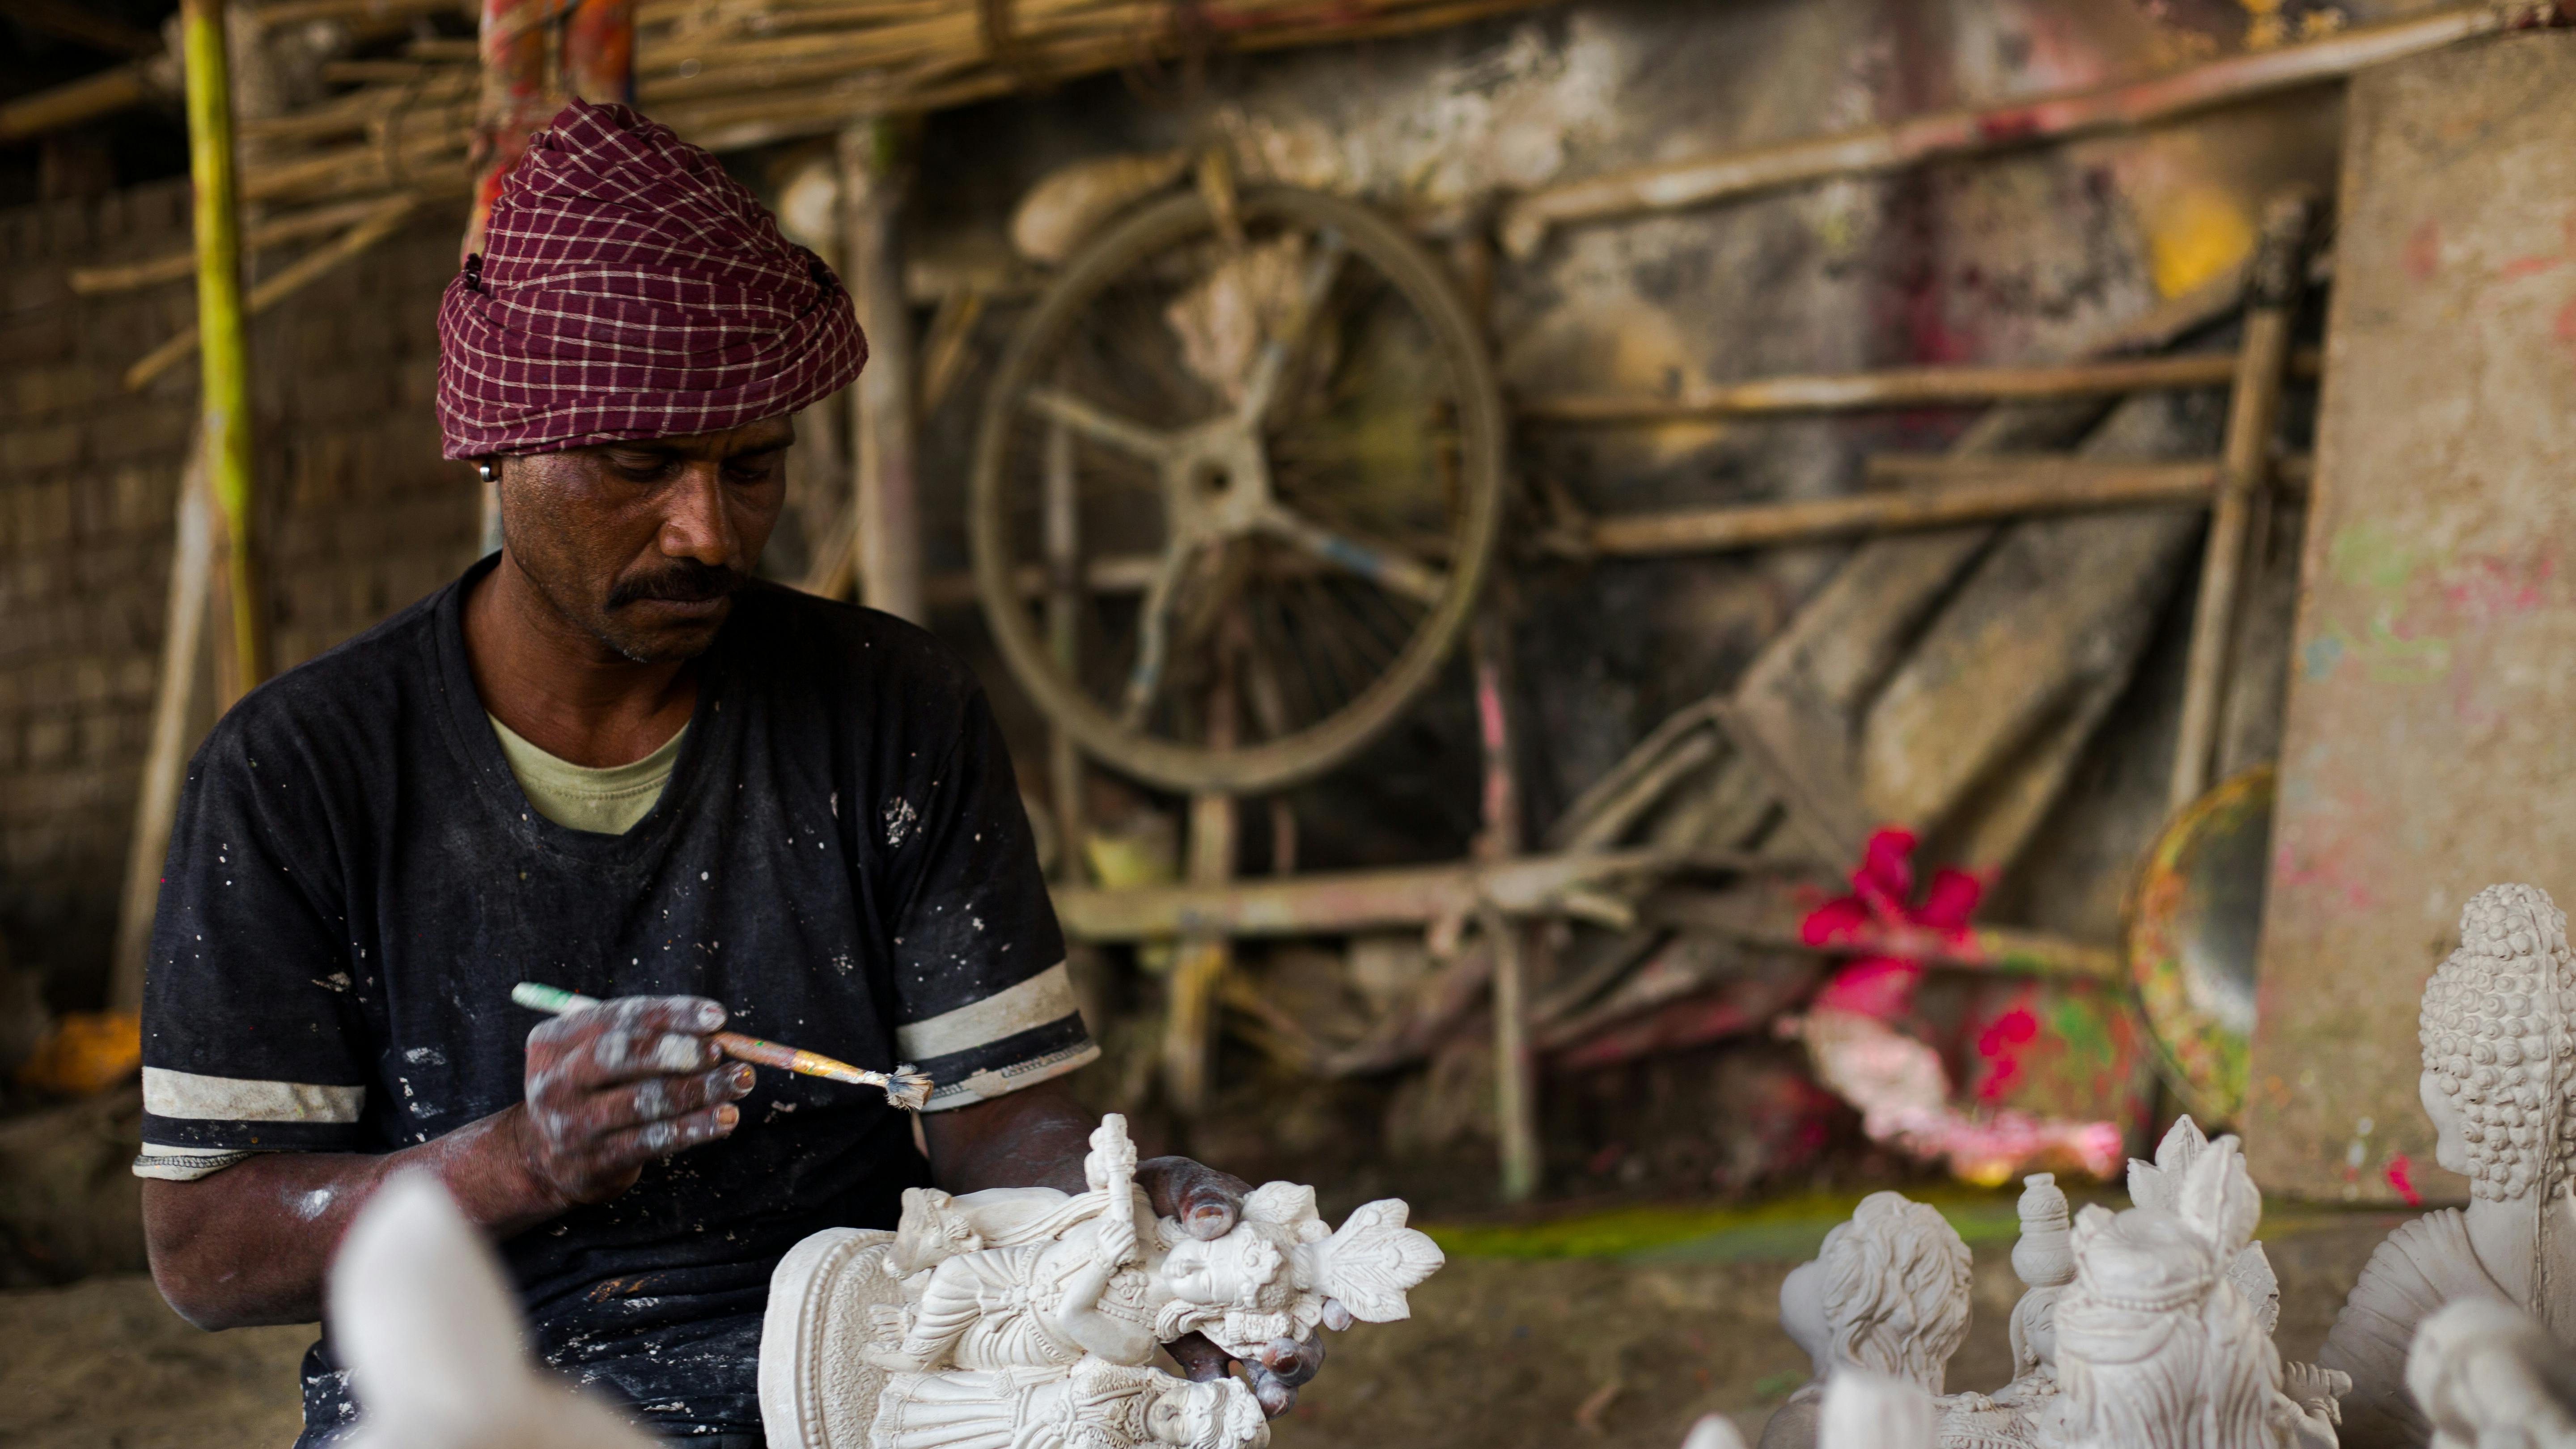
(874, 178)
(1763, 910)
(1771, 913)
(2055, 116)
(2271, 308)
(2038, 489)
(383, 219)
(2289, 471)
(83, 25)
(1897, 387)
(175, 710)
(181, 266)
(77, 102)
(1338, 903)
(1515, 1066)
(1205, 958)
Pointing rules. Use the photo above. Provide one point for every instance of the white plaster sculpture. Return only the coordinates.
(1887, 1294)
(2043, 1257)
(2499, 1083)
(1095, 1404)
(2160, 1343)
(1863, 1410)
(1712, 1431)
(2490, 1378)
(431, 1335)
(1033, 1314)
(2151, 1328)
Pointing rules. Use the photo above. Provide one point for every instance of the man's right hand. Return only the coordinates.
(615, 1086)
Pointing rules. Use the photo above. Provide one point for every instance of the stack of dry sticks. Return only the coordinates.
(735, 73)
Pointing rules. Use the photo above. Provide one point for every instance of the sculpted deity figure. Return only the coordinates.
(2490, 1378)
(2499, 1083)
(1029, 1278)
(1887, 1294)
(1094, 1405)
(2159, 1345)
(1026, 1318)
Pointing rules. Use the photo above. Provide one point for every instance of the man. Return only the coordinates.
(606, 760)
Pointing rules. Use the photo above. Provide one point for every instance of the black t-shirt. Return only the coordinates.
(841, 858)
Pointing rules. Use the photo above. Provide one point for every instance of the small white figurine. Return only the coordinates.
(1022, 1306)
(2490, 1378)
(1887, 1294)
(2499, 1083)
(431, 1335)
(2151, 1328)
(2159, 1343)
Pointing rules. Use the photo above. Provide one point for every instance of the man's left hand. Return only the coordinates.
(1208, 1204)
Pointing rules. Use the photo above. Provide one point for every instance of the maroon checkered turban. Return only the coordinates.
(629, 288)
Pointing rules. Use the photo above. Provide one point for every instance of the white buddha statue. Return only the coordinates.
(2500, 1086)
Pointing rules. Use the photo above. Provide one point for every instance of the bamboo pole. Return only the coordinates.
(809, 71)
(174, 713)
(1765, 913)
(2272, 299)
(1515, 1067)
(83, 25)
(2031, 491)
(887, 515)
(383, 219)
(1200, 967)
(1340, 902)
(76, 102)
(225, 376)
(1062, 526)
(2056, 116)
(178, 266)
(1899, 387)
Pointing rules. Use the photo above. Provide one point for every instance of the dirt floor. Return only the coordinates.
(1617, 1329)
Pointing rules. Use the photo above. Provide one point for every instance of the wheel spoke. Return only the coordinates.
(1271, 363)
(1384, 567)
(1154, 634)
(1101, 426)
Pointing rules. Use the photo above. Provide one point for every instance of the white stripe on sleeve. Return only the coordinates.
(1045, 997)
(188, 1096)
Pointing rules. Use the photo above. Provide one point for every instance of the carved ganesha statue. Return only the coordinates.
(1028, 1318)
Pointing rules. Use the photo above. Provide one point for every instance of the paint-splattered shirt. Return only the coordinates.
(840, 857)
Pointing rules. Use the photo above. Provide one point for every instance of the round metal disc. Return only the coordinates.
(2194, 925)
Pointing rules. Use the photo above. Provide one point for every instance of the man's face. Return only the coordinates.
(642, 544)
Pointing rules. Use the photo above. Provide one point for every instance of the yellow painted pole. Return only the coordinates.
(224, 366)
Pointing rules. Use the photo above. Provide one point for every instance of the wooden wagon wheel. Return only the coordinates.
(1255, 462)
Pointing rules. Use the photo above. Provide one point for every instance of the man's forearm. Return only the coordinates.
(1031, 1138)
(252, 1243)
(609, 1089)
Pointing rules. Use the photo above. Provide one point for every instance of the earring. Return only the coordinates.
(489, 471)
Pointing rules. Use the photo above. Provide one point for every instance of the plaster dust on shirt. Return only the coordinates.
(413, 826)
(899, 817)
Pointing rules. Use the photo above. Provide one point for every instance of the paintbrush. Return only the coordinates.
(904, 1087)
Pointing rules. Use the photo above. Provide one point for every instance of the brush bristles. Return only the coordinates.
(907, 1089)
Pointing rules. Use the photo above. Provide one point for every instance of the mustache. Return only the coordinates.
(686, 581)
